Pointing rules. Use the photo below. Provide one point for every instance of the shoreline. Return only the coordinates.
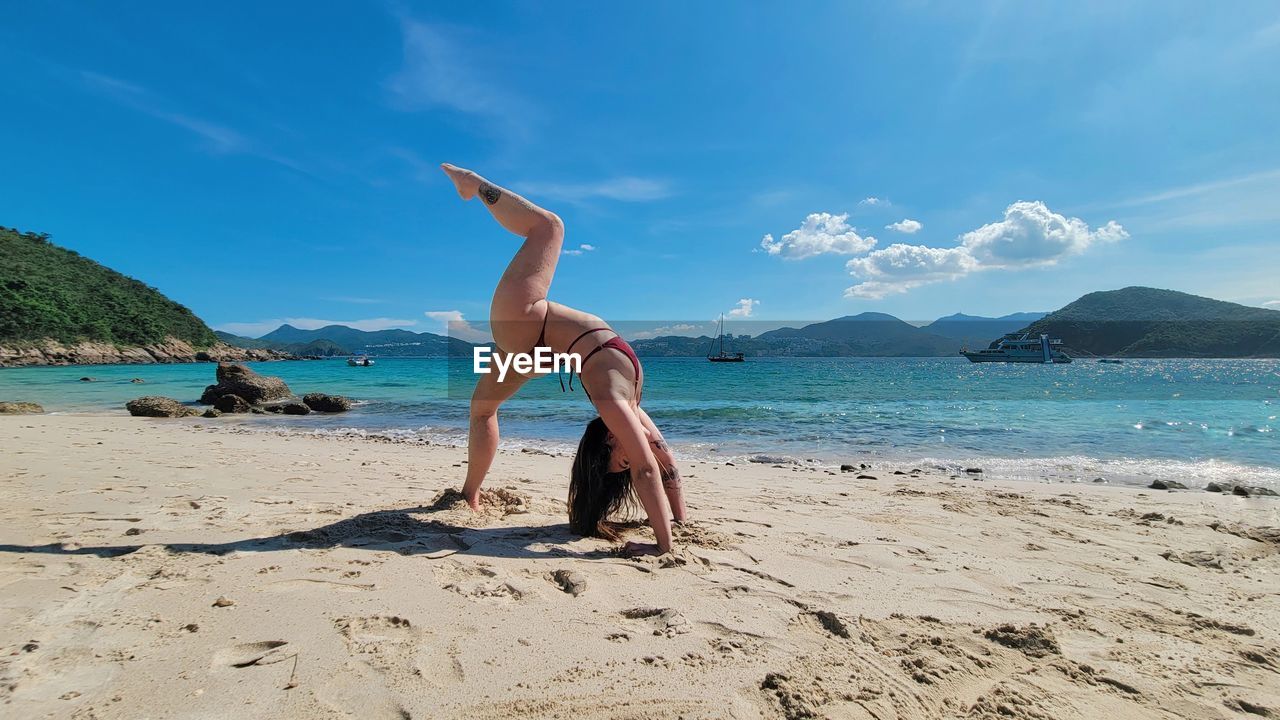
(794, 594)
(1064, 470)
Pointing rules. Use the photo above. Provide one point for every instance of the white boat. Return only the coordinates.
(1020, 348)
(360, 361)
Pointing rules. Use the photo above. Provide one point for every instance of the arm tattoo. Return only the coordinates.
(671, 478)
(490, 193)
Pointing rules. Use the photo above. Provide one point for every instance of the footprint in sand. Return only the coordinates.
(392, 645)
(662, 621)
(479, 582)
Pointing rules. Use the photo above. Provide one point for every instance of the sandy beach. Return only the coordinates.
(178, 568)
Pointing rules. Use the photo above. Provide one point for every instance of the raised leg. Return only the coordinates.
(519, 301)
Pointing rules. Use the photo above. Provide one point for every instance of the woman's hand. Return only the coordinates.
(636, 549)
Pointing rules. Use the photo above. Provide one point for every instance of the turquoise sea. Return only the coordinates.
(1187, 420)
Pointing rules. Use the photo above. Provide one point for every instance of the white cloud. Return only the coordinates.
(262, 327)
(1030, 235)
(744, 308)
(820, 233)
(440, 70)
(583, 248)
(453, 324)
(1198, 189)
(873, 201)
(899, 268)
(218, 139)
(1271, 303)
(677, 329)
(444, 316)
(1219, 204)
(907, 226)
(624, 189)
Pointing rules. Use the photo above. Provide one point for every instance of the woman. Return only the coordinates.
(621, 451)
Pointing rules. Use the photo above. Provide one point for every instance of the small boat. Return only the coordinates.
(1020, 348)
(1110, 361)
(723, 356)
(360, 361)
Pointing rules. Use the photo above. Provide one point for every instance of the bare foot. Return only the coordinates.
(467, 182)
(473, 501)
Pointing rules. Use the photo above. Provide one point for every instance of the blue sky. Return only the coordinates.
(261, 162)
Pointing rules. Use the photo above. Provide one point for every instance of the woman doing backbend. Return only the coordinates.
(621, 451)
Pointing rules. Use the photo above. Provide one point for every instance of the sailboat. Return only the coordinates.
(723, 356)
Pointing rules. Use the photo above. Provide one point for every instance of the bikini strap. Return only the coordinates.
(584, 360)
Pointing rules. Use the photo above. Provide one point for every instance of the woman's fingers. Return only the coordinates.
(633, 548)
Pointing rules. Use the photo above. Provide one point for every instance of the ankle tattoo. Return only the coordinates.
(490, 193)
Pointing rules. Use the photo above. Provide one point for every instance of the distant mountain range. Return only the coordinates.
(973, 330)
(334, 340)
(869, 334)
(58, 307)
(1131, 322)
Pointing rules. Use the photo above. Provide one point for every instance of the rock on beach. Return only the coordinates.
(236, 379)
(20, 408)
(157, 406)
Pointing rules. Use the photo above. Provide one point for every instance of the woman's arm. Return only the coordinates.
(627, 428)
(671, 481)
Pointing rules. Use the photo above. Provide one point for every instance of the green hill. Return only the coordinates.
(50, 292)
(1146, 322)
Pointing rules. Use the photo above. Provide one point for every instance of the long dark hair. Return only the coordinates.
(594, 492)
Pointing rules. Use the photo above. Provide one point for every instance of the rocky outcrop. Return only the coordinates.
(157, 406)
(288, 407)
(231, 404)
(20, 408)
(52, 352)
(255, 389)
(1253, 491)
(320, 402)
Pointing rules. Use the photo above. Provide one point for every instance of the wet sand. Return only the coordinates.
(174, 568)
